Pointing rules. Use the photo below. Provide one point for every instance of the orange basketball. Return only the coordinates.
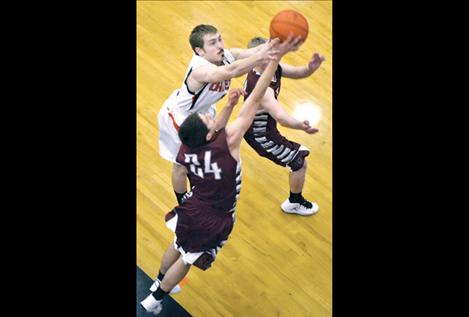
(287, 21)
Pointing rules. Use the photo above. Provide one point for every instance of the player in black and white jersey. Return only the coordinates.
(264, 137)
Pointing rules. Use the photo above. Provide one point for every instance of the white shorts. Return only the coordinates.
(169, 142)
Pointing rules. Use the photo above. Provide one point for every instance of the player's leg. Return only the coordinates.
(169, 258)
(278, 149)
(297, 179)
(175, 274)
(296, 203)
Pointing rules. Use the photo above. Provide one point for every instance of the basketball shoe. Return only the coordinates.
(152, 305)
(303, 207)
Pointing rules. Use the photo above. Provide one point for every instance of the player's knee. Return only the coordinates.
(298, 166)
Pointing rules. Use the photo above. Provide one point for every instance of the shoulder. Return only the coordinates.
(229, 58)
(198, 61)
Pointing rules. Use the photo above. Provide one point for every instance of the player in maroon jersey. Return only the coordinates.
(267, 141)
(204, 220)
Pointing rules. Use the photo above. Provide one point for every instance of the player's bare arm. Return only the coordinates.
(222, 118)
(277, 111)
(213, 74)
(240, 53)
(297, 72)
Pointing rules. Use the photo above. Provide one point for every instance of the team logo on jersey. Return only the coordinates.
(221, 86)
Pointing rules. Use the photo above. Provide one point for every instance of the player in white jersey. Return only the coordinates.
(206, 81)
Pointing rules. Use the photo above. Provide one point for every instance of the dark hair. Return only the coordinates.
(256, 42)
(197, 35)
(193, 131)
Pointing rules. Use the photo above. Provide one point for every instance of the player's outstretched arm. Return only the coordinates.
(240, 53)
(297, 72)
(222, 118)
(212, 74)
(278, 112)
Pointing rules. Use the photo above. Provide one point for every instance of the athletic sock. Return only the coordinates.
(295, 197)
(298, 198)
(159, 294)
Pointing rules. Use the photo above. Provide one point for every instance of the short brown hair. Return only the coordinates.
(256, 42)
(197, 35)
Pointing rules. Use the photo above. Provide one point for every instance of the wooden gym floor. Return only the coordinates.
(274, 264)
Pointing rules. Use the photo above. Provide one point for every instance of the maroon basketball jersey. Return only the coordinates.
(215, 175)
(254, 76)
(263, 122)
(263, 135)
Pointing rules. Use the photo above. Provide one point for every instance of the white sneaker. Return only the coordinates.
(152, 305)
(300, 209)
(176, 289)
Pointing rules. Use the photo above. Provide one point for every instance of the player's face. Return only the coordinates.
(213, 48)
(208, 119)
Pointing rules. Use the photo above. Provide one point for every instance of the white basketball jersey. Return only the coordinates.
(185, 102)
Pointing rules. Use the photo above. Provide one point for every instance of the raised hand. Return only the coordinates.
(290, 44)
(233, 96)
(315, 61)
(269, 51)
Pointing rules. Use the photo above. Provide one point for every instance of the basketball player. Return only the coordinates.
(205, 218)
(267, 141)
(207, 80)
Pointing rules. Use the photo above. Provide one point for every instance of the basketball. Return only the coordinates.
(287, 21)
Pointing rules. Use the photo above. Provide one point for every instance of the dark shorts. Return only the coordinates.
(201, 229)
(277, 148)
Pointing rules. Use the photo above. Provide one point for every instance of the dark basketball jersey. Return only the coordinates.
(269, 123)
(254, 76)
(206, 218)
(215, 174)
(263, 135)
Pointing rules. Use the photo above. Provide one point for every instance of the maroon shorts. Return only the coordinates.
(272, 145)
(199, 228)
